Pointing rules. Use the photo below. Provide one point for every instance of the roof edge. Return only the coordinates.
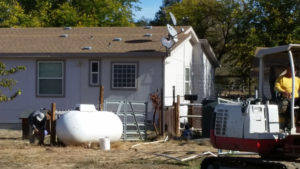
(209, 52)
(193, 33)
(81, 55)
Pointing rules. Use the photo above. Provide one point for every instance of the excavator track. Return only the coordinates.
(246, 163)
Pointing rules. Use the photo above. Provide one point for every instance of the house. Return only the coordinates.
(67, 65)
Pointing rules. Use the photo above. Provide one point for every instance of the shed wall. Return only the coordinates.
(203, 75)
(175, 65)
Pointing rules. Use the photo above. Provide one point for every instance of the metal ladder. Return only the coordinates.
(134, 121)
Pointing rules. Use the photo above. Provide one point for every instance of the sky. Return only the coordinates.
(148, 9)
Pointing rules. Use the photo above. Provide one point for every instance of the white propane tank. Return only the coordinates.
(88, 125)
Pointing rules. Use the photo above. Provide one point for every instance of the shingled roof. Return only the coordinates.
(47, 42)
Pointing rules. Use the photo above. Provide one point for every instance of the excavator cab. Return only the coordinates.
(275, 60)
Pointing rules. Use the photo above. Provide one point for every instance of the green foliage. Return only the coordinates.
(275, 20)
(12, 15)
(211, 19)
(50, 13)
(262, 24)
(143, 22)
(294, 37)
(42, 14)
(64, 15)
(105, 12)
(8, 83)
(160, 16)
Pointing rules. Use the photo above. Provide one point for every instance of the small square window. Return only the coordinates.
(124, 75)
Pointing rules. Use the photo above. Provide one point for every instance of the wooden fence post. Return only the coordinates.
(101, 96)
(162, 121)
(177, 117)
(173, 95)
(190, 112)
(53, 124)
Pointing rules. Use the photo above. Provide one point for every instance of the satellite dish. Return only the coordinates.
(173, 18)
(172, 32)
(167, 43)
(172, 38)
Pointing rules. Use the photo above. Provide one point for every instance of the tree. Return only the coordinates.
(143, 22)
(275, 20)
(8, 83)
(262, 24)
(64, 15)
(41, 15)
(211, 19)
(46, 13)
(12, 15)
(160, 16)
(235, 28)
(105, 12)
(34, 5)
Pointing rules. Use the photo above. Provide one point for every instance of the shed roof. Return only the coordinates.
(75, 42)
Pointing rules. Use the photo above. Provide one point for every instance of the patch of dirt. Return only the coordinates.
(18, 153)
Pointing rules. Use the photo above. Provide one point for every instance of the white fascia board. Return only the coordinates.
(194, 35)
(210, 54)
(181, 44)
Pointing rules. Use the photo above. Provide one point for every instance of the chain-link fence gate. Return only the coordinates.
(133, 116)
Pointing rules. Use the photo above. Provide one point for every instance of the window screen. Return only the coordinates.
(50, 78)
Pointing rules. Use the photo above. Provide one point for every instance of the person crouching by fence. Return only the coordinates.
(37, 125)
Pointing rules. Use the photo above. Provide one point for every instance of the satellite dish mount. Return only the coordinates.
(172, 34)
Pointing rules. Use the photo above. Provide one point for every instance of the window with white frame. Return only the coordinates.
(94, 73)
(187, 81)
(50, 78)
(124, 75)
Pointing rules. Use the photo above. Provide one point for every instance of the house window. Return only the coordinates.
(124, 75)
(187, 81)
(50, 78)
(94, 73)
